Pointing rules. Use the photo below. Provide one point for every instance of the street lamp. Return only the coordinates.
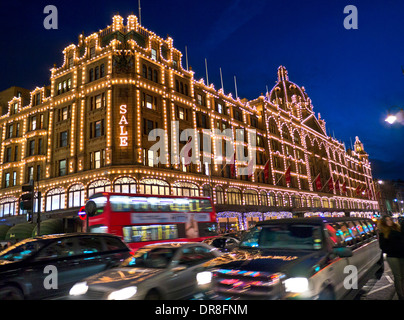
(395, 117)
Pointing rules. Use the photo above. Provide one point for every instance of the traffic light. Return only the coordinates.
(27, 198)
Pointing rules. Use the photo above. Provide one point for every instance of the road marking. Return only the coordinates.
(379, 289)
(389, 279)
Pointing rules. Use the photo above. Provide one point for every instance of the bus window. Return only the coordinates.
(150, 233)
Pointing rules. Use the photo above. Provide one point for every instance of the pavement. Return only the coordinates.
(382, 289)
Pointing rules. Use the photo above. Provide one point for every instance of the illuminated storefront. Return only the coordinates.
(88, 132)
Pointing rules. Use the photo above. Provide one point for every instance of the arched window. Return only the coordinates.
(233, 196)
(287, 200)
(325, 203)
(251, 197)
(8, 206)
(219, 195)
(76, 195)
(154, 186)
(150, 74)
(285, 133)
(185, 189)
(296, 138)
(272, 200)
(273, 127)
(296, 201)
(102, 185)
(125, 185)
(207, 191)
(264, 199)
(55, 199)
(316, 202)
(279, 200)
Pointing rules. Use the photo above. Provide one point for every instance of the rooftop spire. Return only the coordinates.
(282, 74)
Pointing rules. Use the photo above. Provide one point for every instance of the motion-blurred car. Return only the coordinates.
(160, 271)
(74, 256)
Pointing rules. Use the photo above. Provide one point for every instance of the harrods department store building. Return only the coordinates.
(87, 132)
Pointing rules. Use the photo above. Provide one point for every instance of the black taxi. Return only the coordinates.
(299, 258)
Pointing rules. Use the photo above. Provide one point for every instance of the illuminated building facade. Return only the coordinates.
(88, 130)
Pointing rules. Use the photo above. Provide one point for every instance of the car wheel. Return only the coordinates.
(327, 294)
(11, 293)
(153, 295)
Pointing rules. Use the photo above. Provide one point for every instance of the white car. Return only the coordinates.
(162, 271)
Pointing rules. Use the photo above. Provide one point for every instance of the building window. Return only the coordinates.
(154, 186)
(125, 185)
(40, 142)
(10, 131)
(31, 148)
(97, 129)
(251, 197)
(185, 189)
(154, 54)
(55, 199)
(264, 199)
(149, 102)
(91, 75)
(155, 76)
(8, 155)
(30, 174)
(14, 178)
(207, 191)
(7, 206)
(103, 185)
(233, 196)
(33, 123)
(144, 69)
(219, 108)
(97, 159)
(62, 168)
(92, 52)
(148, 126)
(63, 139)
(76, 196)
(102, 71)
(7, 180)
(219, 195)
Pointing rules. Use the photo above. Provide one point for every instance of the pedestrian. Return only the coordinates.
(391, 241)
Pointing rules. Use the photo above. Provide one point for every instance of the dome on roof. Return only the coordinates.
(285, 90)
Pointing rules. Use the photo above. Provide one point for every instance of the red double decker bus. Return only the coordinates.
(144, 219)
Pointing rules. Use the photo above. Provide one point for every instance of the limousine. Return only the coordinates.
(303, 258)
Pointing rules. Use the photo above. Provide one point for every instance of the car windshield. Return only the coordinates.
(21, 250)
(158, 258)
(284, 236)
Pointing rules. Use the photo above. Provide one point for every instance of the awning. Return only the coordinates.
(51, 226)
(20, 231)
(3, 231)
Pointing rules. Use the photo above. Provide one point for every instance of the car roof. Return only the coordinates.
(71, 235)
(311, 220)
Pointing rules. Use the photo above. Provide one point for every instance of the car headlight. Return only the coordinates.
(123, 294)
(297, 285)
(79, 288)
(204, 277)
